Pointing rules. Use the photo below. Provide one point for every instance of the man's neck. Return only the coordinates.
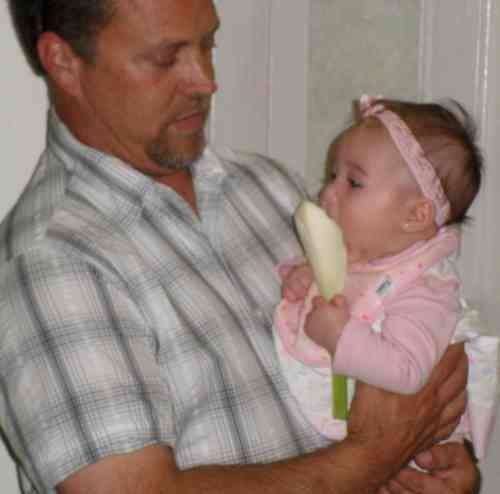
(181, 181)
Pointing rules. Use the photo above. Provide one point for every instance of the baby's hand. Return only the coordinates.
(326, 321)
(297, 282)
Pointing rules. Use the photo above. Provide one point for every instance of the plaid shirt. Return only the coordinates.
(126, 320)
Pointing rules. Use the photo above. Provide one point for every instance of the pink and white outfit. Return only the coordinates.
(405, 311)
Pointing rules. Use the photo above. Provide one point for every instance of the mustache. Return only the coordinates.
(200, 105)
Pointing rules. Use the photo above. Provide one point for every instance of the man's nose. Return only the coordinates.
(198, 77)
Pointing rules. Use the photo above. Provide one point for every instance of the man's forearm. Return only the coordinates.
(343, 469)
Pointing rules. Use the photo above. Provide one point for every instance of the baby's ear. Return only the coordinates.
(420, 215)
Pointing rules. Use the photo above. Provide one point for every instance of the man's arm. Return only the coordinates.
(385, 431)
(153, 471)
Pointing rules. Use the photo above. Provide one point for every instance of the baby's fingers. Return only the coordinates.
(339, 301)
(318, 302)
(297, 283)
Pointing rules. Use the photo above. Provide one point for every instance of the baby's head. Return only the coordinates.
(447, 136)
(399, 174)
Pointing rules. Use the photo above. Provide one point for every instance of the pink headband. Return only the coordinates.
(412, 152)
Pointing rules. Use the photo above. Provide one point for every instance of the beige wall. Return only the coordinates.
(356, 46)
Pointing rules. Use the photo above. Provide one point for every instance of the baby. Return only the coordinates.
(403, 179)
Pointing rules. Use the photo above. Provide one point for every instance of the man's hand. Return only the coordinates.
(395, 428)
(450, 468)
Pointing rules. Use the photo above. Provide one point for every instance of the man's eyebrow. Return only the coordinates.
(173, 44)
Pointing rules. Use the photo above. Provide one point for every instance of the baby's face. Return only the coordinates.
(369, 192)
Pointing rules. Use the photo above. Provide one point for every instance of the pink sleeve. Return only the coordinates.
(418, 325)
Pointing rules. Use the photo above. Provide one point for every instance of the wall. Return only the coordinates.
(262, 66)
(22, 127)
(362, 46)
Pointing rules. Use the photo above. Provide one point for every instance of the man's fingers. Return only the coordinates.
(447, 383)
(455, 369)
(444, 455)
(452, 465)
(396, 488)
(437, 458)
(413, 481)
(454, 359)
(452, 396)
(450, 417)
(384, 490)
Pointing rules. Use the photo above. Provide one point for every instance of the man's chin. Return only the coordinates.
(181, 159)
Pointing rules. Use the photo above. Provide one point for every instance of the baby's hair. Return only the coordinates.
(447, 134)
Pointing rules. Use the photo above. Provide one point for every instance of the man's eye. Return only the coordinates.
(165, 64)
(354, 183)
(165, 58)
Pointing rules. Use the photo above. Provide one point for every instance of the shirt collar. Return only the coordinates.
(124, 185)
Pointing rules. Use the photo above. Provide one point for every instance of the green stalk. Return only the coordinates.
(339, 399)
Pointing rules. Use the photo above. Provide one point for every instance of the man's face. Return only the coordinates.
(148, 91)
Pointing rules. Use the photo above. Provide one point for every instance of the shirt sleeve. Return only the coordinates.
(417, 327)
(78, 370)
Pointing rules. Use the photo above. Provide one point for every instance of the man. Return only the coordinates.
(137, 288)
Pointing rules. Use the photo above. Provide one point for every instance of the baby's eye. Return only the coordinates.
(354, 183)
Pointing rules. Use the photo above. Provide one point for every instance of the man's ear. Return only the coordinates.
(420, 215)
(60, 62)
